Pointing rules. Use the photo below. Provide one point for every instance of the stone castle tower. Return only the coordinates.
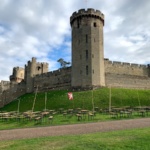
(17, 75)
(87, 48)
(32, 69)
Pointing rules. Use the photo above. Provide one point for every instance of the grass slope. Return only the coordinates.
(82, 99)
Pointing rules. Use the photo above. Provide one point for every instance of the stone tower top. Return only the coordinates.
(32, 69)
(89, 13)
(18, 75)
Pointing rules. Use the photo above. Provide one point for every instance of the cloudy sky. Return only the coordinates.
(41, 29)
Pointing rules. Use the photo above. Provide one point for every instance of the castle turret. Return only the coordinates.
(32, 69)
(17, 75)
(87, 48)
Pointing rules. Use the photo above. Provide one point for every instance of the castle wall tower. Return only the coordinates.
(87, 48)
(31, 69)
(18, 75)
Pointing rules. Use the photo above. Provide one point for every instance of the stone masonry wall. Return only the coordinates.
(59, 79)
(126, 75)
(11, 94)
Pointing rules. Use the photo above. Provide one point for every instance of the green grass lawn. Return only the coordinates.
(137, 139)
(82, 99)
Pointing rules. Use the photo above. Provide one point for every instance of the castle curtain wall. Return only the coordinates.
(59, 79)
(11, 94)
(126, 75)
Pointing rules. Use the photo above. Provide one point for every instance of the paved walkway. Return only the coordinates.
(73, 129)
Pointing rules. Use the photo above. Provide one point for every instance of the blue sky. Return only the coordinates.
(41, 29)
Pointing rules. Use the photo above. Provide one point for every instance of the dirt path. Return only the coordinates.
(73, 129)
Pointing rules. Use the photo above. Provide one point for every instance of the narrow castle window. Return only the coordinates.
(86, 38)
(86, 52)
(38, 67)
(95, 25)
(78, 25)
(87, 70)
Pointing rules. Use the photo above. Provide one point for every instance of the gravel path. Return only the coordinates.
(73, 129)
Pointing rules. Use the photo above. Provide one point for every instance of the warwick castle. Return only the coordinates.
(89, 68)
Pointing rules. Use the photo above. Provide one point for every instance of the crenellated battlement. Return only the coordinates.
(125, 64)
(127, 69)
(54, 73)
(18, 68)
(42, 63)
(34, 62)
(89, 13)
(29, 62)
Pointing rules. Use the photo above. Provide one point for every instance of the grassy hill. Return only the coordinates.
(82, 99)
